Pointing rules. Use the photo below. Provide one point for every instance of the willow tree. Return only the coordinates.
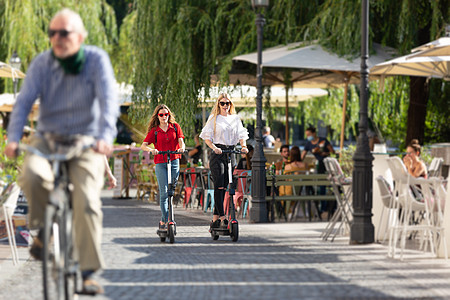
(179, 44)
(401, 24)
(24, 25)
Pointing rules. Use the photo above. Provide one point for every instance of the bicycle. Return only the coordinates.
(61, 273)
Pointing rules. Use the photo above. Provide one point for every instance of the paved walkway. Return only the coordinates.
(270, 261)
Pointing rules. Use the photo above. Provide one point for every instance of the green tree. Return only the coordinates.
(24, 25)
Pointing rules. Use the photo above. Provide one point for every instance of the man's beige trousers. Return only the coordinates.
(87, 176)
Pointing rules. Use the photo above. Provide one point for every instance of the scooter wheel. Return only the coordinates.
(234, 232)
(163, 239)
(214, 236)
(171, 233)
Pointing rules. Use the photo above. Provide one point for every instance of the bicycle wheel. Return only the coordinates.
(71, 270)
(52, 261)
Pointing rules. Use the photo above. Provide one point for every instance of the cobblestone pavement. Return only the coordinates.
(270, 261)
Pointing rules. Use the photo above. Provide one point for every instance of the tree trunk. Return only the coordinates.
(417, 110)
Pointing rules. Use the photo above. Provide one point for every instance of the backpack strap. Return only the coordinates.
(176, 134)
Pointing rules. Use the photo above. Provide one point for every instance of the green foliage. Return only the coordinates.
(346, 160)
(24, 24)
(8, 167)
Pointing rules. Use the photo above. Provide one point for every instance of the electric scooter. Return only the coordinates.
(233, 226)
(171, 230)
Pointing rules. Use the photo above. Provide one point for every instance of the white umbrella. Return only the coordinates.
(439, 47)
(313, 66)
(413, 65)
(244, 96)
(10, 72)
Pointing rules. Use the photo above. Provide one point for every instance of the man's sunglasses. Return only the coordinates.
(62, 33)
(163, 115)
(223, 103)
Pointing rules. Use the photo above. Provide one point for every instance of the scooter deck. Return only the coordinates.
(162, 232)
(221, 231)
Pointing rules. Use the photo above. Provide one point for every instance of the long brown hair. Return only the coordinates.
(216, 109)
(294, 154)
(154, 121)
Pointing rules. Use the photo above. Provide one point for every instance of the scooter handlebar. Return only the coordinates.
(232, 151)
(171, 152)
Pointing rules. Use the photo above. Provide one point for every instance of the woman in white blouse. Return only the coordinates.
(223, 130)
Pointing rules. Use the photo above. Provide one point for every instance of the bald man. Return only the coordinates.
(75, 85)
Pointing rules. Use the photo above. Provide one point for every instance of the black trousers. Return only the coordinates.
(218, 164)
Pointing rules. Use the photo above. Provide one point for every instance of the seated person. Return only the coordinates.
(245, 161)
(284, 152)
(414, 165)
(295, 164)
(268, 139)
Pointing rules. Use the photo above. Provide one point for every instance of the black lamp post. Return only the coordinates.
(258, 212)
(15, 62)
(362, 230)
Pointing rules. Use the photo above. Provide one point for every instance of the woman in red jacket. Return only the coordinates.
(166, 135)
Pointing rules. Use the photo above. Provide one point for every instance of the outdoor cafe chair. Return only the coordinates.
(8, 202)
(342, 189)
(146, 182)
(434, 170)
(247, 201)
(434, 195)
(408, 191)
(241, 176)
(389, 206)
(193, 187)
(208, 196)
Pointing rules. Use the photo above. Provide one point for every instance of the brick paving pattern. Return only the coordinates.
(270, 261)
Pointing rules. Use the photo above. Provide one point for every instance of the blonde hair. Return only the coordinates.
(216, 109)
(154, 121)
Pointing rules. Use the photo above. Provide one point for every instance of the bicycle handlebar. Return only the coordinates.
(54, 156)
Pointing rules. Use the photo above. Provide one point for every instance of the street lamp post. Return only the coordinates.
(258, 212)
(362, 230)
(15, 62)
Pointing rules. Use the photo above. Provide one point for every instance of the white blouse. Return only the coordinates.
(229, 130)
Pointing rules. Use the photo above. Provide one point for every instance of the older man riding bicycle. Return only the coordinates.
(75, 85)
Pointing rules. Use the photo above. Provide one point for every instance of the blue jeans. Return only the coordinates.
(161, 175)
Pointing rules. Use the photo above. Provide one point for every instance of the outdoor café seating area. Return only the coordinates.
(405, 208)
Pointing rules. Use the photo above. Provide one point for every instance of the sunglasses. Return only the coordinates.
(62, 33)
(222, 103)
(163, 115)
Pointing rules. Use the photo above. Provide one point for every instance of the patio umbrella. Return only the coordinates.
(10, 72)
(439, 47)
(310, 66)
(413, 65)
(244, 95)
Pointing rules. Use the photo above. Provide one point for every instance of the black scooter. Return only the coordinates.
(233, 226)
(171, 230)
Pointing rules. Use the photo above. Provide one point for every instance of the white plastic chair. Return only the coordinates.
(409, 203)
(10, 195)
(434, 170)
(389, 205)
